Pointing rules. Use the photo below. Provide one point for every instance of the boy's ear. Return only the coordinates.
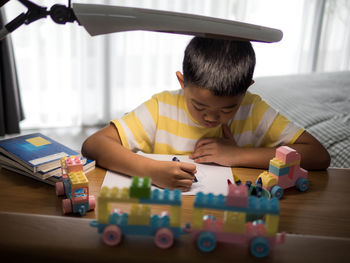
(180, 78)
(251, 83)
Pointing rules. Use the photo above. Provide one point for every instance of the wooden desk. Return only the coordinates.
(323, 212)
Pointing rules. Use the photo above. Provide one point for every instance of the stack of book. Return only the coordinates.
(37, 156)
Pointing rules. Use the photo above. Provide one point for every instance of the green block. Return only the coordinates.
(140, 187)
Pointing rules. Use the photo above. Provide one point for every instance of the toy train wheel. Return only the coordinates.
(59, 188)
(302, 184)
(66, 206)
(277, 191)
(112, 235)
(164, 238)
(206, 241)
(259, 247)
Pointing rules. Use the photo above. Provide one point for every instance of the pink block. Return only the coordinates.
(213, 225)
(287, 154)
(255, 229)
(237, 195)
(290, 180)
(74, 164)
(300, 172)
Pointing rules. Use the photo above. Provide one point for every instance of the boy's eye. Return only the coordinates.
(227, 111)
(198, 108)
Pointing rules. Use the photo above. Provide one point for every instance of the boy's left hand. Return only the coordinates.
(216, 150)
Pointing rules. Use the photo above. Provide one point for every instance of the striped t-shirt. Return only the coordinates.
(163, 125)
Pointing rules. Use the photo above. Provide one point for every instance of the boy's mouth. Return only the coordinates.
(211, 124)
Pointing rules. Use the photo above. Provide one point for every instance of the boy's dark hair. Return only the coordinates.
(224, 67)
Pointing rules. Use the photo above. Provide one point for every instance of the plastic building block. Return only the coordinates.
(234, 222)
(272, 222)
(175, 219)
(256, 228)
(140, 187)
(160, 221)
(115, 194)
(212, 224)
(237, 195)
(78, 179)
(255, 205)
(165, 197)
(73, 164)
(197, 218)
(268, 179)
(279, 171)
(63, 166)
(287, 154)
(139, 215)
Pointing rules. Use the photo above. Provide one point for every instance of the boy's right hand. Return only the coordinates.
(174, 175)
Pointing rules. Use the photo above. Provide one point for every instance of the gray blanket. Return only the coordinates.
(318, 102)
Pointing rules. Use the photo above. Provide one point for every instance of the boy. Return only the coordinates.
(212, 118)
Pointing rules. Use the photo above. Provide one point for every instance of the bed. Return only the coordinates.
(319, 102)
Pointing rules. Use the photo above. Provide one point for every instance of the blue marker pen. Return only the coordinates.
(175, 159)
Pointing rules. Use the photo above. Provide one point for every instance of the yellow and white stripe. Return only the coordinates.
(163, 125)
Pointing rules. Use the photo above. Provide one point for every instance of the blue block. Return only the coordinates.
(119, 219)
(159, 222)
(256, 205)
(279, 172)
(262, 205)
(165, 197)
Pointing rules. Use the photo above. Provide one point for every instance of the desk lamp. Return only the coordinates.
(105, 19)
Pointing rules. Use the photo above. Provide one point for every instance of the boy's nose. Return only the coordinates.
(212, 117)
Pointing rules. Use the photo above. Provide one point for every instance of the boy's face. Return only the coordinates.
(208, 109)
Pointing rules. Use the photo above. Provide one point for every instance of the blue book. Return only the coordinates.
(36, 152)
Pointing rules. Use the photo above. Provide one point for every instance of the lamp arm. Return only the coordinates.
(60, 14)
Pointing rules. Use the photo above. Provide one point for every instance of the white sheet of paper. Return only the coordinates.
(211, 178)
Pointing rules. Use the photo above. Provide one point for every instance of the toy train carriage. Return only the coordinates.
(114, 224)
(75, 186)
(284, 172)
(236, 227)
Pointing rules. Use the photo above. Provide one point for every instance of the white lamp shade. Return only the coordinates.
(104, 19)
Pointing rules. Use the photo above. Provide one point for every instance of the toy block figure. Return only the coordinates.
(237, 195)
(140, 187)
(73, 164)
(284, 172)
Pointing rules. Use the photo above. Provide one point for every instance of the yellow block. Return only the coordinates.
(268, 179)
(197, 218)
(279, 164)
(116, 194)
(139, 215)
(175, 216)
(272, 224)
(234, 222)
(103, 212)
(78, 179)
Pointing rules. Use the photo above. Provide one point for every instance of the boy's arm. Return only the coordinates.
(105, 147)
(224, 151)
